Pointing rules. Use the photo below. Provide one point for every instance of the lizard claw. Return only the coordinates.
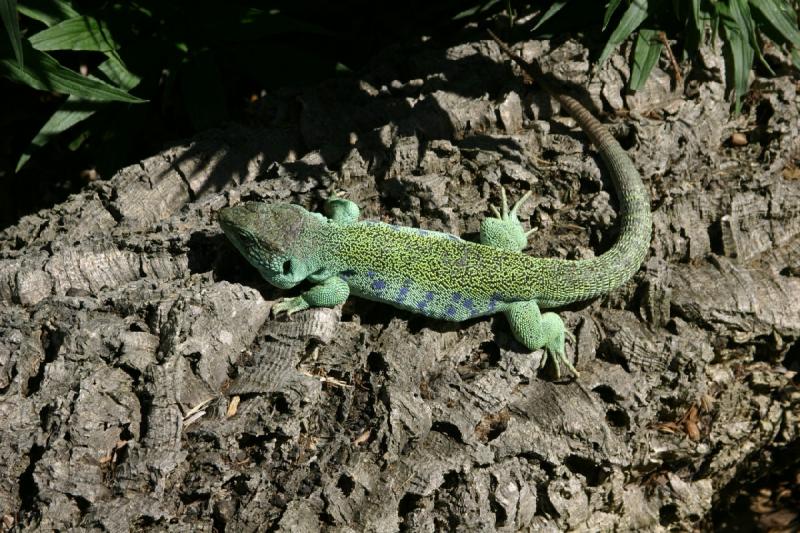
(555, 350)
(558, 360)
(504, 230)
(289, 306)
(504, 213)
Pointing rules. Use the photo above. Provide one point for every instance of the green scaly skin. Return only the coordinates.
(437, 274)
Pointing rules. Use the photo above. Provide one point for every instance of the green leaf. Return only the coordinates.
(552, 10)
(118, 74)
(738, 50)
(631, 19)
(478, 8)
(645, 55)
(698, 20)
(8, 12)
(696, 15)
(72, 111)
(79, 33)
(740, 10)
(49, 12)
(780, 19)
(610, 8)
(44, 73)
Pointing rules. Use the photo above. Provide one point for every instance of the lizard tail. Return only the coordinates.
(584, 279)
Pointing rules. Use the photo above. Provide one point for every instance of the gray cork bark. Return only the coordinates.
(144, 384)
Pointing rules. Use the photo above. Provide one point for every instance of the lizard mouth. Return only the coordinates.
(231, 218)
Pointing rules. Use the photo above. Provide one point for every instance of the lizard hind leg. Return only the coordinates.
(504, 230)
(537, 330)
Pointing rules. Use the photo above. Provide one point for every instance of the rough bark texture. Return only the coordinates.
(144, 384)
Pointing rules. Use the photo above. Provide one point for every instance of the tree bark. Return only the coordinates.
(144, 384)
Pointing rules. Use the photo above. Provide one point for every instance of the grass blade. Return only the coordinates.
(631, 19)
(8, 12)
(646, 52)
(71, 112)
(44, 73)
(474, 10)
(610, 8)
(781, 20)
(738, 50)
(79, 33)
(48, 12)
(552, 10)
(740, 11)
(118, 74)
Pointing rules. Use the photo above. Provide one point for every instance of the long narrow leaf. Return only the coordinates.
(739, 51)
(552, 10)
(780, 19)
(8, 12)
(645, 56)
(118, 74)
(72, 111)
(49, 12)
(474, 10)
(694, 27)
(79, 33)
(610, 9)
(44, 73)
(631, 19)
(740, 11)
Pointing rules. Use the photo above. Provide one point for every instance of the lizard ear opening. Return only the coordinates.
(287, 267)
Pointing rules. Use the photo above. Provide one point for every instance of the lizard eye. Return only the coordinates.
(287, 267)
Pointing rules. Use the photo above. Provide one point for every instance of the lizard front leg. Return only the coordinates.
(341, 210)
(329, 293)
(537, 330)
(504, 230)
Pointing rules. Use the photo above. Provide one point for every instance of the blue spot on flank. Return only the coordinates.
(401, 295)
(468, 303)
(428, 298)
(370, 274)
(450, 310)
(378, 284)
(456, 296)
(494, 300)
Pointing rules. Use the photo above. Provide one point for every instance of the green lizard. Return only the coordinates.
(437, 274)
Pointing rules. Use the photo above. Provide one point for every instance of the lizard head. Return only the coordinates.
(276, 238)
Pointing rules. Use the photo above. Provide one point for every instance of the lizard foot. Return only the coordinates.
(541, 330)
(556, 353)
(289, 306)
(504, 230)
(505, 215)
